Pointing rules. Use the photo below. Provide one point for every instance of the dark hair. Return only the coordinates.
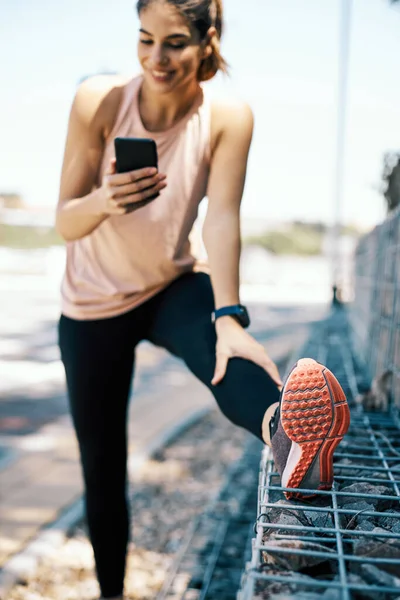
(200, 14)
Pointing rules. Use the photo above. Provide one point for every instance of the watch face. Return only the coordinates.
(244, 317)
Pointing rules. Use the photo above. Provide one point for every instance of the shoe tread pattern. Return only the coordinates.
(315, 415)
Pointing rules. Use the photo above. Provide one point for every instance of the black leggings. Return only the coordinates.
(98, 357)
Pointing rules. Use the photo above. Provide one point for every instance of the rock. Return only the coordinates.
(154, 471)
(379, 475)
(376, 576)
(350, 521)
(332, 594)
(285, 513)
(299, 596)
(379, 548)
(319, 519)
(352, 579)
(365, 594)
(294, 562)
(365, 526)
(348, 472)
(390, 522)
(380, 504)
(265, 589)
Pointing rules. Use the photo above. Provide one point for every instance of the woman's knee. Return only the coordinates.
(103, 464)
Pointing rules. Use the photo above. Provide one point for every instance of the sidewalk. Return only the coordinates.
(40, 473)
(45, 477)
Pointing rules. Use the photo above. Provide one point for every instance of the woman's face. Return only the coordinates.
(169, 51)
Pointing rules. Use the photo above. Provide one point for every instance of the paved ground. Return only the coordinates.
(39, 468)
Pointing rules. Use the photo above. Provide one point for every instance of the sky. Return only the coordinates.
(283, 56)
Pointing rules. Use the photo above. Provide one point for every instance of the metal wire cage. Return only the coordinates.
(345, 544)
(375, 311)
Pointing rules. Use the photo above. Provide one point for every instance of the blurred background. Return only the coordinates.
(324, 170)
(298, 64)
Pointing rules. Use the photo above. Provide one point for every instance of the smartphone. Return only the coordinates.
(136, 153)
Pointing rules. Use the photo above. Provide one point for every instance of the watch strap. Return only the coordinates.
(226, 310)
(237, 311)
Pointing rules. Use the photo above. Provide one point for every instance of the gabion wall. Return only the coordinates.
(375, 310)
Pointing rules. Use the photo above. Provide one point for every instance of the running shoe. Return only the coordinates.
(309, 423)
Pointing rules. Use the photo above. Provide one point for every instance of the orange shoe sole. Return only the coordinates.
(315, 416)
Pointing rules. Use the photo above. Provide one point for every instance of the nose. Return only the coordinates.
(159, 56)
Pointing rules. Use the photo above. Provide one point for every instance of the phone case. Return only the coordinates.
(135, 153)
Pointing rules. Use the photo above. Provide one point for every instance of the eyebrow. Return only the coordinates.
(169, 37)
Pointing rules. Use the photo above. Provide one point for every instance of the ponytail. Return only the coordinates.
(215, 62)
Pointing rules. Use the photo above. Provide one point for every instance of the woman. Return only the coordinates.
(130, 274)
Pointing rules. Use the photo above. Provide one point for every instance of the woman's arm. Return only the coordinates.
(221, 234)
(221, 230)
(80, 208)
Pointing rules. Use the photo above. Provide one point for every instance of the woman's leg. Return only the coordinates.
(98, 359)
(312, 416)
(182, 325)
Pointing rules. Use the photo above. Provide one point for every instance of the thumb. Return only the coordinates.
(112, 167)
(220, 368)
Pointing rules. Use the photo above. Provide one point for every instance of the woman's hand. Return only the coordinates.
(124, 192)
(234, 341)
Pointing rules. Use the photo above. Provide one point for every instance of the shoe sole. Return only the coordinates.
(315, 416)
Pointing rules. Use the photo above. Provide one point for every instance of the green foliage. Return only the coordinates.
(305, 239)
(297, 239)
(27, 237)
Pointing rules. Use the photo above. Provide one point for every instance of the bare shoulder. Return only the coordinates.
(231, 118)
(97, 100)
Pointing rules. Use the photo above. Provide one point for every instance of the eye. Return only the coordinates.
(177, 46)
(146, 42)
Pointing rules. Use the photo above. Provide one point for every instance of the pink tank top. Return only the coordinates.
(129, 258)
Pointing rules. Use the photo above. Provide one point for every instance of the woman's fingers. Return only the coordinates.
(112, 167)
(261, 358)
(140, 196)
(125, 192)
(116, 179)
(220, 368)
(139, 185)
(272, 370)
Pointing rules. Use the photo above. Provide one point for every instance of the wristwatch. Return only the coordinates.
(237, 311)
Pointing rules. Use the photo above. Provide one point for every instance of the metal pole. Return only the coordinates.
(343, 72)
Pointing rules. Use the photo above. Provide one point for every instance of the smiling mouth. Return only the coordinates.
(162, 75)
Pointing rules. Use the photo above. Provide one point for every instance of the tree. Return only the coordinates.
(391, 173)
(391, 179)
